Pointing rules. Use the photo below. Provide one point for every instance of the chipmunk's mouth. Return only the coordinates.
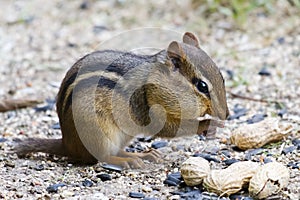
(214, 120)
(208, 125)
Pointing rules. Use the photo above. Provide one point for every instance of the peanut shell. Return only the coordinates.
(232, 179)
(268, 180)
(194, 170)
(256, 135)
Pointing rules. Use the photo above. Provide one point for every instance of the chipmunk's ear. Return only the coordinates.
(175, 51)
(191, 39)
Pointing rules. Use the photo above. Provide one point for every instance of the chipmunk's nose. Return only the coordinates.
(221, 112)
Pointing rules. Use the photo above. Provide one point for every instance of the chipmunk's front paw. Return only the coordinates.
(151, 155)
(126, 162)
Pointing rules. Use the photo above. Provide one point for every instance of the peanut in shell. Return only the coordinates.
(256, 135)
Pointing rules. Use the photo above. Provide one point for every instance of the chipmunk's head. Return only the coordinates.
(193, 86)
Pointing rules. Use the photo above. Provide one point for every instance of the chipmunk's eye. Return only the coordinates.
(201, 86)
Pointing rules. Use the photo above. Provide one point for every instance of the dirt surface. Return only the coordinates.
(40, 40)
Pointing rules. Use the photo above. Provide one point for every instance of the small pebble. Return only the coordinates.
(159, 144)
(54, 188)
(212, 151)
(174, 197)
(257, 151)
(98, 29)
(178, 147)
(50, 103)
(11, 114)
(131, 150)
(253, 152)
(173, 180)
(87, 183)
(55, 84)
(248, 157)
(202, 137)
(226, 153)
(145, 139)
(42, 108)
(56, 126)
(19, 195)
(256, 118)
(176, 175)
(267, 160)
(84, 5)
(66, 194)
(188, 189)
(137, 146)
(104, 177)
(3, 139)
(39, 167)
(137, 195)
(288, 150)
(177, 193)
(230, 73)
(281, 40)
(9, 164)
(111, 167)
(170, 182)
(192, 195)
(146, 189)
(148, 139)
(282, 112)
(230, 161)
(239, 111)
(235, 116)
(239, 197)
(296, 142)
(264, 72)
(207, 157)
(210, 196)
(247, 198)
(294, 165)
(98, 169)
(70, 44)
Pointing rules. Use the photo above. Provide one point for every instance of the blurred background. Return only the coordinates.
(39, 41)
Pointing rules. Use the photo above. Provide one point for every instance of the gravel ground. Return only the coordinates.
(40, 40)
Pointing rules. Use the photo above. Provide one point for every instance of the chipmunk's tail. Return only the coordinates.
(31, 145)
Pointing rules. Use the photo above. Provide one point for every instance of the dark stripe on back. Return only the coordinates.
(120, 70)
(122, 63)
(99, 81)
(105, 82)
(67, 83)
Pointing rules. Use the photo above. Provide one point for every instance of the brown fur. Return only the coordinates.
(85, 104)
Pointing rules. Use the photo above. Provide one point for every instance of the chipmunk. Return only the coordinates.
(163, 94)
